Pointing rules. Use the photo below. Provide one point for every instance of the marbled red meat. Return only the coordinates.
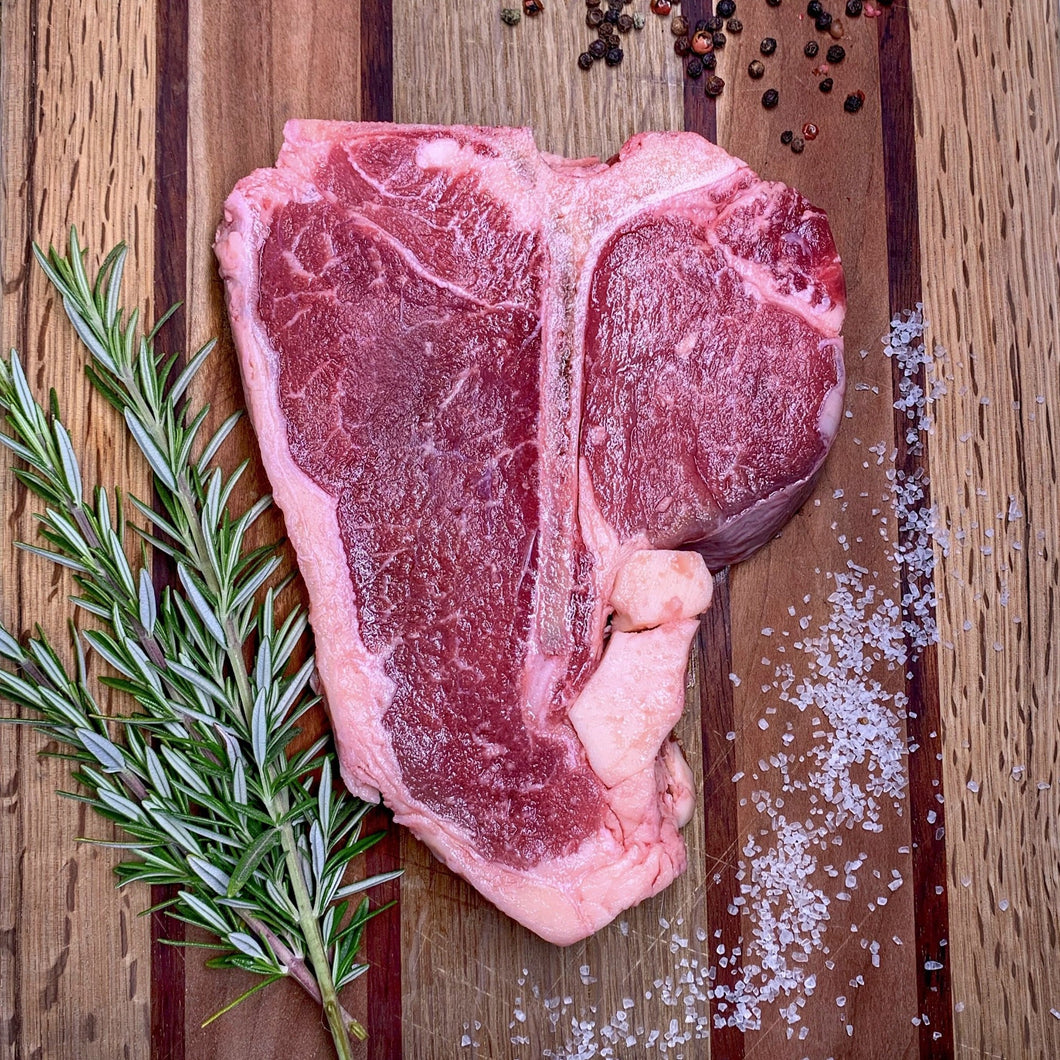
(494, 391)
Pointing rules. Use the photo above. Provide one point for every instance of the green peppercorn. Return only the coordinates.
(597, 50)
(797, 144)
(734, 25)
(714, 86)
(854, 8)
(679, 26)
(836, 54)
(770, 98)
(694, 69)
(585, 61)
(826, 85)
(756, 70)
(768, 45)
(510, 16)
(725, 8)
(852, 104)
(613, 56)
(786, 137)
(639, 20)
(810, 51)
(814, 8)
(823, 21)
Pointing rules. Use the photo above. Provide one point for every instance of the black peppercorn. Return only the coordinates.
(714, 24)
(701, 26)
(810, 51)
(768, 46)
(597, 50)
(854, 8)
(593, 17)
(734, 25)
(770, 98)
(773, 3)
(679, 26)
(714, 85)
(719, 41)
(585, 61)
(852, 104)
(886, 3)
(797, 144)
(605, 31)
(826, 85)
(625, 23)
(814, 8)
(611, 16)
(786, 137)
(755, 70)
(694, 69)
(823, 21)
(613, 56)
(710, 60)
(682, 46)
(836, 54)
(725, 8)
(592, 3)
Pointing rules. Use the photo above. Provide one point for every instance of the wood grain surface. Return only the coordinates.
(133, 121)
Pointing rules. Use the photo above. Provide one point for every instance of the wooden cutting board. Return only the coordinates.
(134, 121)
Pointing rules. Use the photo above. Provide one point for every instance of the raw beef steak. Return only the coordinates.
(494, 391)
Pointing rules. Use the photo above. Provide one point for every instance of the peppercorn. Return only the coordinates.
(836, 29)
(886, 3)
(679, 26)
(510, 16)
(852, 104)
(592, 3)
(714, 24)
(836, 54)
(809, 131)
(773, 3)
(714, 85)
(725, 8)
(786, 137)
(694, 69)
(734, 25)
(814, 8)
(611, 16)
(709, 61)
(826, 85)
(682, 46)
(701, 25)
(797, 145)
(597, 50)
(625, 23)
(755, 70)
(768, 46)
(639, 20)
(770, 98)
(823, 21)
(533, 7)
(810, 51)
(702, 42)
(613, 56)
(605, 31)
(854, 8)
(660, 7)
(593, 17)
(719, 41)
(585, 61)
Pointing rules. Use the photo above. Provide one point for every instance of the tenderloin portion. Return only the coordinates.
(489, 423)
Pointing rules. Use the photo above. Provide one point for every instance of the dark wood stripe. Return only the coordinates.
(377, 63)
(382, 944)
(382, 939)
(170, 282)
(714, 664)
(701, 112)
(931, 913)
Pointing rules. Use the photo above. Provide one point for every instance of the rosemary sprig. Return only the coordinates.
(203, 775)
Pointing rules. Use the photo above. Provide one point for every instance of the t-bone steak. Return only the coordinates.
(513, 406)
